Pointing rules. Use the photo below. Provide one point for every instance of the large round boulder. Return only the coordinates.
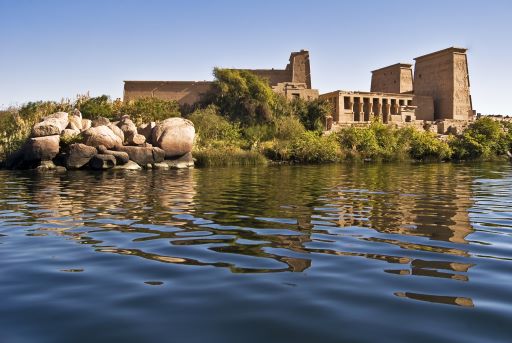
(175, 136)
(41, 148)
(101, 135)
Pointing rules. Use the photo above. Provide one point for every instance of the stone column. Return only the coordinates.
(396, 108)
(386, 113)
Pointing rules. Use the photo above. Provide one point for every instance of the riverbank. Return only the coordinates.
(291, 135)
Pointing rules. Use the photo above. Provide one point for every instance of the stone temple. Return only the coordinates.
(434, 96)
(292, 81)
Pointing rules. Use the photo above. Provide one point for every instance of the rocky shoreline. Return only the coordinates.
(63, 141)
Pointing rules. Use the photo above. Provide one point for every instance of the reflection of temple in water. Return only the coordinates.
(272, 214)
(435, 204)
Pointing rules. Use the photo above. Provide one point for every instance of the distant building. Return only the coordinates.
(294, 81)
(438, 91)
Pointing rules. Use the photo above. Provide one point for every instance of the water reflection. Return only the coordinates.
(266, 220)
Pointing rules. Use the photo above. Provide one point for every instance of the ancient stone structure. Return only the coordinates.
(292, 81)
(444, 76)
(438, 95)
(396, 78)
(363, 106)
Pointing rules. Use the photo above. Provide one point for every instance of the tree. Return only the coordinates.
(242, 96)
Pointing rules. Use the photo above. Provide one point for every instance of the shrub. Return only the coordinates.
(312, 148)
(213, 129)
(255, 134)
(144, 110)
(67, 140)
(242, 96)
(288, 127)
(485, 138)
(426, 145)
(101, 106)
(358, 142)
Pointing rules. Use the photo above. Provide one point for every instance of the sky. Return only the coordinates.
(54, 49)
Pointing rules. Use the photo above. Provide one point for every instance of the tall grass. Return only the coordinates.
(228, 156)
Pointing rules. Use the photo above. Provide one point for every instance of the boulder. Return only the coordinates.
(75, 121)
(86, 124)
(143, 155)
(41, 148)
(70, 132)
(79, 155)
(101, 135)
(102, 162)
(115, 129)
(46, 128)
(131, 137)
(128, 166)
(100, 121)
(182, 162)
(121, 156)
(174, 135)
(146, 129)
(51, 125)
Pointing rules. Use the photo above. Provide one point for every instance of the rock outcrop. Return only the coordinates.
(51, 125)
(175, 136)
(41, 148)
(79, 155)
(101, 135)
(102, 162)
(102, 144)
(120, 156)
(143, 155)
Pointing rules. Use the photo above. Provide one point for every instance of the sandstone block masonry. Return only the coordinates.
(294, 81)
(437, 93)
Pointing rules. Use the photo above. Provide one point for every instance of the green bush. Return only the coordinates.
(426, 146)
(358, 142)
(485, 139)
(255, 134)
(242, 96)
(288, 127)
(101, 106)
(313, 148)
(214, 130)
(145, 110)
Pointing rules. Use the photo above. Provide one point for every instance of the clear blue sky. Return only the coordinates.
(59, 48)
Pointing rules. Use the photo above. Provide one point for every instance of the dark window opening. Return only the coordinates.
(346, 102)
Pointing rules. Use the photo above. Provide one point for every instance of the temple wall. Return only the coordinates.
(184, 92)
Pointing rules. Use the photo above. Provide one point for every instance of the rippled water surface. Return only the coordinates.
(340, 253)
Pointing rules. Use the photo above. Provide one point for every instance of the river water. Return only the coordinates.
(335, 253)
